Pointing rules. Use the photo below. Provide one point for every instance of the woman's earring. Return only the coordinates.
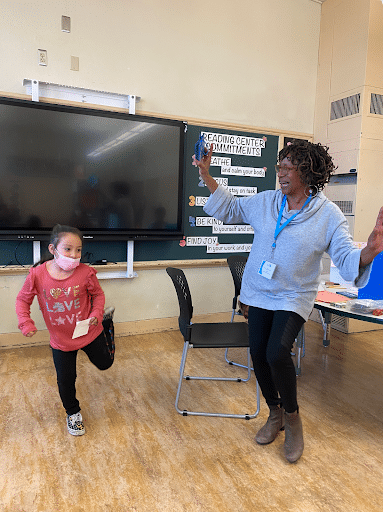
(311, 191)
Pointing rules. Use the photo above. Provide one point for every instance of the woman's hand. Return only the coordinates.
(244, 308)
(93, 321)
(204, 163)
(204, 166)
(374, 243)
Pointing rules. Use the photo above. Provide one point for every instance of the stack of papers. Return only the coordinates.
(329, 297)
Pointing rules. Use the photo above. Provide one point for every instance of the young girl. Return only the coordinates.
(68, 291)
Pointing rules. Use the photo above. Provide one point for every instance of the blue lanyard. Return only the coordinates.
(279, 227)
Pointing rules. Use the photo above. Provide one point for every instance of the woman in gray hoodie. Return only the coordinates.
(293, 227)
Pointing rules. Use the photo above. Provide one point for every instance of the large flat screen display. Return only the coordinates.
(113, 175)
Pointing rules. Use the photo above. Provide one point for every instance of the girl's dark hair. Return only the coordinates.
(57, 233)
(313, 162)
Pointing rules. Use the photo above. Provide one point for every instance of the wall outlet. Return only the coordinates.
(74, 63)
(42, 57)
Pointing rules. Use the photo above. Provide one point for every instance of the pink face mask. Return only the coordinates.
(66, 263)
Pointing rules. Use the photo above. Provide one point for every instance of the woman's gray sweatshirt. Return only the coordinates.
(320, 227)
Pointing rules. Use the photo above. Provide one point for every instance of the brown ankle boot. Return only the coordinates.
(275, 423)
(293, 436)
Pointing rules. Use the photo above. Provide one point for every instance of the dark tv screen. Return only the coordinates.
(113, 175)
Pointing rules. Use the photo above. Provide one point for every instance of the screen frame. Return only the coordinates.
(108, 234)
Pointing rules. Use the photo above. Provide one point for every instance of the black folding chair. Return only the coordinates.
(207, 335)
(237, 265)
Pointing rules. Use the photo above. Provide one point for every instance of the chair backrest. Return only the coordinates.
(237, 264)
(184, 298)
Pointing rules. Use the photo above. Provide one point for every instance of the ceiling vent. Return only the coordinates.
(345, 107)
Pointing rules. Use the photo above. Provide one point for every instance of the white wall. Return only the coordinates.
(252, 62)
(249, 62)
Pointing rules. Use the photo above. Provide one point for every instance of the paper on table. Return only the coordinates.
(81, 328)
(322, 286)
(325, 296)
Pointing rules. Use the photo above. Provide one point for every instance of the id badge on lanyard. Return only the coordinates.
(267, 268)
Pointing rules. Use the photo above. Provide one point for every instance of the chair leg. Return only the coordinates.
(182, 369)
(300, 352)
(220, 415)
(183, 359)
(233, 379)
(229, 361)
(232, 363)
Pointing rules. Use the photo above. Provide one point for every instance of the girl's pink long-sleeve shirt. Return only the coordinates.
(63, 303)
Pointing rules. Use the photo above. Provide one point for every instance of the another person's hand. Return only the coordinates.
(374, 243)
(93, 321)
(375, 240)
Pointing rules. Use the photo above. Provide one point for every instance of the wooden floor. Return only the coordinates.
(138, 454)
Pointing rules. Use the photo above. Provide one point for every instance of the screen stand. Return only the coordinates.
(132, 103)
(36, 251)
(35, 90)
(129, 259)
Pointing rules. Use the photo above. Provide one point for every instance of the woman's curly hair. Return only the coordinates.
(313, 162)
